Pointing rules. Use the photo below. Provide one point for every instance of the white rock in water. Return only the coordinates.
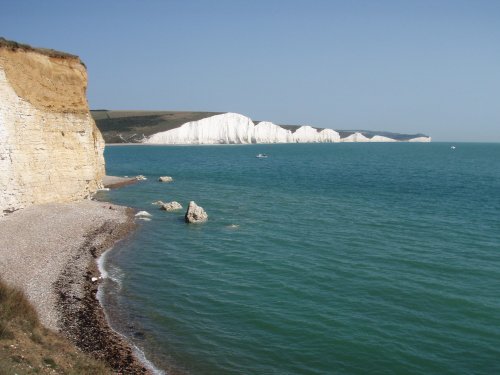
(143, 214)
(171, 206)
(195, 214)
(140, 178)
(158, 203)
(165, 179)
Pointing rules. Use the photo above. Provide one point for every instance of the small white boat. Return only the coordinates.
(453, 147)
(261, 156)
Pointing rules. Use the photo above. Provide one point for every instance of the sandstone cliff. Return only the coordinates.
(50, 147)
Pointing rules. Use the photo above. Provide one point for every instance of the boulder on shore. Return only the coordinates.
(171, 206)
(195, 214)
(165, 179)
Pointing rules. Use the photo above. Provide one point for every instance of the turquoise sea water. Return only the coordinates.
(346, 259)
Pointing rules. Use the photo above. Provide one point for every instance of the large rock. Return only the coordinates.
(50, 148)
(171, 206)
(195, 214)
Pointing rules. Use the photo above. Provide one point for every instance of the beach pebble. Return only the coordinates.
(94, 279)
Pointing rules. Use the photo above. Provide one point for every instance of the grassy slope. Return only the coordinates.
(26, 347)
(133, 126)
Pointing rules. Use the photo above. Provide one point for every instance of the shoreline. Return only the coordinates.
(63, 242)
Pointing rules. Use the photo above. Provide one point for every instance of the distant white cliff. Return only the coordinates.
(380, 138)
(356, 137)
(267, 132)
(233, 128)
(420, 139)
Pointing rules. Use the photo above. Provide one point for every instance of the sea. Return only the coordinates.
(356, 258)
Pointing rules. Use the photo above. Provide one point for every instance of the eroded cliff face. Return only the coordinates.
(50, 147)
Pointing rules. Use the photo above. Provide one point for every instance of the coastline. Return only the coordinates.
(63, 242)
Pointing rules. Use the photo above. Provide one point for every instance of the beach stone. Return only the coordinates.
(165, 179)
(195, 214)
(171, 206)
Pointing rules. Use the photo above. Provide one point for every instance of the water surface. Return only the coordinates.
(321, 259)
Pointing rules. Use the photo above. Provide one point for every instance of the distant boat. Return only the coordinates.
(453, 147)
(261, 156)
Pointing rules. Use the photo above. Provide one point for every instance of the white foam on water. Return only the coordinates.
(147, 363)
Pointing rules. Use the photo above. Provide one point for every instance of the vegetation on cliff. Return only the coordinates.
(133, 126)
(14, 46)
(26, 347)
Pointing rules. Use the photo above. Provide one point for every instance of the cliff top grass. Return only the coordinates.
(26, 347)
(15, 46)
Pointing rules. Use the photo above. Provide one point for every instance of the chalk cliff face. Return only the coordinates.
(420, 139)
(50, 148)
(233, 128)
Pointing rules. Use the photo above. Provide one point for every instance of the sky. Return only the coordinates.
(408, 66)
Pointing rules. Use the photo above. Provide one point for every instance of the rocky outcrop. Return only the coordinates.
(50, 148)
(171, 206)
(165, 179)
(195, 214)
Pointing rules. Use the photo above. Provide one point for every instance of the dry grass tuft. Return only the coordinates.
(26, 347)
(14, 46)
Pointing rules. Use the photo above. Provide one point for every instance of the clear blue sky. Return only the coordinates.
(430, 66)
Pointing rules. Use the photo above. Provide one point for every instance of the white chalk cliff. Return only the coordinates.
(233, 128)
(420, 139)
(50, 148)
(356, 137)
(380, 138)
